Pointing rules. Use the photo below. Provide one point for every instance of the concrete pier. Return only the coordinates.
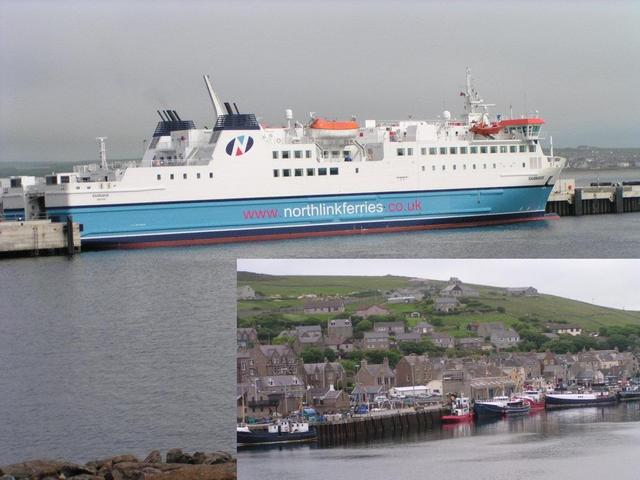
(569, 200)
(377, 425)
(38, 237)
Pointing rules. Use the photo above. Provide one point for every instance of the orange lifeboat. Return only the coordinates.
(321, 128)
(486, 130)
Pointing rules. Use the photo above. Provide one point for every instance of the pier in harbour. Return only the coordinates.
(38, 237)
(599, 198)
(377, 425)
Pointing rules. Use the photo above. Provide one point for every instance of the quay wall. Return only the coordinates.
(370, 427)
(594, 200)
(38, 237)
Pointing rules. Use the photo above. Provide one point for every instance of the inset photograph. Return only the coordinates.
(382, 368)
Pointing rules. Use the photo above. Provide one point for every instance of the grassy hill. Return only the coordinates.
(495, 305)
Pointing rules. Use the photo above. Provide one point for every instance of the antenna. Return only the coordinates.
(103, 153)
(551, 143)
(215, 102)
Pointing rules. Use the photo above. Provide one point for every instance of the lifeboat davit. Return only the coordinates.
(321, 128)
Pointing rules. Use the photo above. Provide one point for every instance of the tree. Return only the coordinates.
(329, 354)
(364, 326)
(312, 355)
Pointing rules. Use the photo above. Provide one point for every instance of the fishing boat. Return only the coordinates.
(569, 400)
(285, 431)
(501, 406)
(242, 180)
(460, 411)
(533, 398)
(630, 393)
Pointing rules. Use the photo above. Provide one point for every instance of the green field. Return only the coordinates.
(535, 311)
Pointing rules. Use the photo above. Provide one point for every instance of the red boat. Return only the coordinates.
(490, 129)
(533, 398)
(460, 411)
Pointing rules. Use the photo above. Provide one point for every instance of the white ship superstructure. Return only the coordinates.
(243, 181)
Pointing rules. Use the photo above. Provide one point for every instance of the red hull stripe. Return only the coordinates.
(287, 236)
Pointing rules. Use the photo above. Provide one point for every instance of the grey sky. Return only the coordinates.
(611, 283)
(71, 71)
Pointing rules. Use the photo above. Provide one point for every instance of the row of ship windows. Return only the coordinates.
(401, 152)
(286, 154)
(184, 176)
(309, 172)
(464, 166)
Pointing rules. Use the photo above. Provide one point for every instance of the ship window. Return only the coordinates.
(454, 166)
(444, 167)
(210, 174)
(464, 167)
(286, 172)
(184, 176)
(311, 172)
(494, 165)
(463, 150)
(298, 172)
(64, 179)
(409, 151)
(484, 149)
(523, 165)
(400, 152)
(433, 150)
(513, 148)
(325, 154)
(198, 175)
(453, 150)
(276, 173)
(307, 153)
(443, 150)
(322, 171)
(523, 148)
(335, 153)
(503, 149)
(297, 154)
(286, 154)
(433, 168)
(333, 171)
(532, 148)
(494, 149)
(474, 166)
(171, 176)
(423, 168)
(358, 170)
(275, 154)
(474, 149)
(423, 151)
(484, 165)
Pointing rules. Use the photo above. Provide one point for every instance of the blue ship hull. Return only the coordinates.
(217, 221)
(13, 214)
(488, 410)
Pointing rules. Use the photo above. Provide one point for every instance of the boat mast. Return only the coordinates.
(103, 153)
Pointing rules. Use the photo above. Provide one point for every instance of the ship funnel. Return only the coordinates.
(217, 108)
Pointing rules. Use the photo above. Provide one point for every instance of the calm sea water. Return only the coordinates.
(116, 352)
(575, 444)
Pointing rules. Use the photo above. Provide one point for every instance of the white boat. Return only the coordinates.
(241, 180)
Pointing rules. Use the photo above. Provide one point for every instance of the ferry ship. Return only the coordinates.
(241, 180)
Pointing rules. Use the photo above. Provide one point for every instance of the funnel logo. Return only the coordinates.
(239, 145)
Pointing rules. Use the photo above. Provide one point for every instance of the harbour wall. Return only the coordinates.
(363, 428)
(39, 237)
(569, 200)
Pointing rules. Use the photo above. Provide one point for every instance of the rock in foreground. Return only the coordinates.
(179, 466)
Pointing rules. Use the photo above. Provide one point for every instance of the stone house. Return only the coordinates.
(326, 305)
(445, 304)
(456, 288)
(372, 310)
(328, 400)
(308, 336)
(423, 328)
(288, 390)
(375, 340)
(392, 328)
(564, 329)
(522, 292)
(341, 328)
(505, 338)
(266, 360)
(413, 370)
(367, 393)
(246, 337)
(340, 345)
(486, 329)
(375, 374)
(408, 337)
(324, 375)
(442, 340)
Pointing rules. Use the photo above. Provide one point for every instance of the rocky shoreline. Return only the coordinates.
(177, 465)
